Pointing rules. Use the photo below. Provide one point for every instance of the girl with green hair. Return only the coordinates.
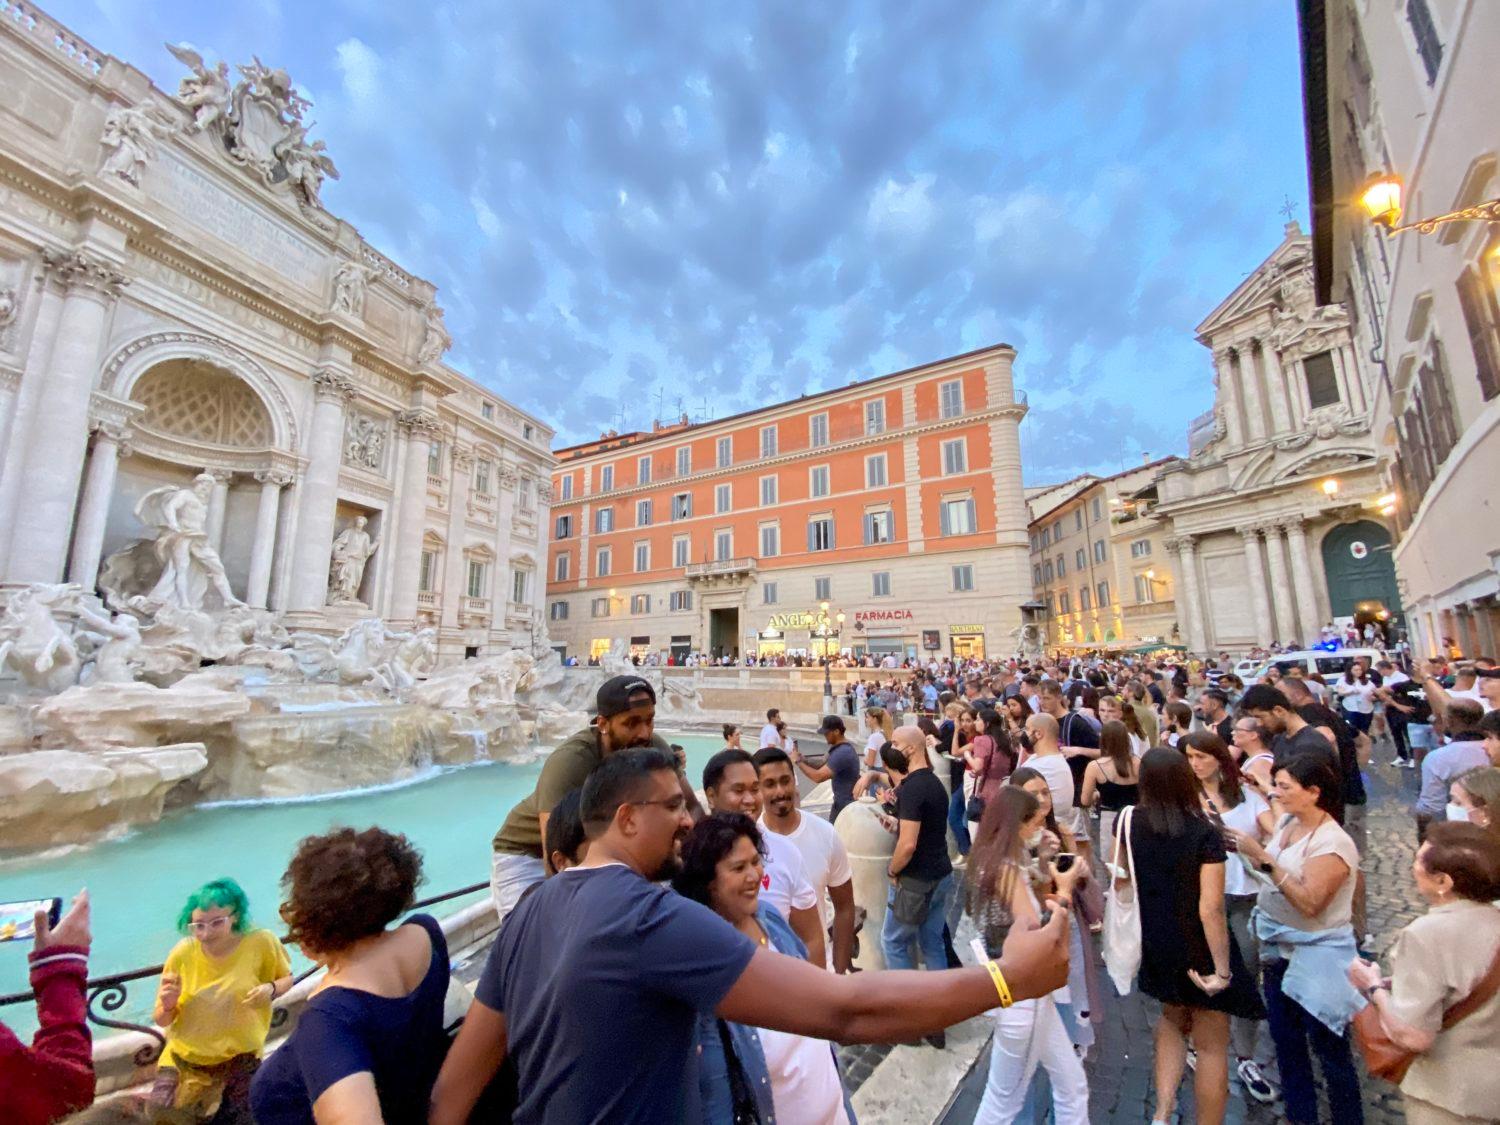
(214, 1003)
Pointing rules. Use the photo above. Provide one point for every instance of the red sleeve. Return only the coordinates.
(55, 1075)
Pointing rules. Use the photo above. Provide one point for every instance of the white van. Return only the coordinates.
(1328, 662)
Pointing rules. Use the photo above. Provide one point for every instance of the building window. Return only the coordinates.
(875, 471)
(822, 589)
(643, 470)
(1101, 551)
(1057, 531)
(1036, 575)
(1080, 560)
(1078, 519)
(768, 593)
(643, 513)
(435, 459)
(682, 506)
(820, 534)
(487, 411)
(818, 480)
(564, 526)
(722, 496)
(519, 582)
(528, 431)
(951, 399)
(602, 563)
(1103, 592)
(642, 557)
(566, 487)
(1322, 384)
(482, 470)
(724, 452)
(1047, 571)
(817, 430)
(680, 548)
(684, 460)
(604, 521)
(880, 527)
(1429, 49)
(1062, 565)
(955, 457)
(558, 611)
(1085, 600)
(770, 541)
(478, 578)
(1064, 604)
(956, 517)
(1098, 508)
(1144, 594)
(723, 546)
(640, 603)
(963, 578)
(680, 599)
(768, 441)
(875, 416)
(523, 493)
(599, 607)
(1140, 548)
(767, 491)
(561, 568)
(881, 584)
(1476, 297)
(427, 571)
(606, 478)
(1051, 605)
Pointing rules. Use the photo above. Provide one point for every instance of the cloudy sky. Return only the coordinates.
(724, 204)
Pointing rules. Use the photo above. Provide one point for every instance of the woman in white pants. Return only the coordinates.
(1005, 888)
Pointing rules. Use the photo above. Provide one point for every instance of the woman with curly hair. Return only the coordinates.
(214, 1003)
(370, 1041)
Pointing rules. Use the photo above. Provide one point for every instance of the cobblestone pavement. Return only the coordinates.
(1120, 1065)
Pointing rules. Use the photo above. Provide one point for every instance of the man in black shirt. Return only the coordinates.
(1293, 735)
(1213, 710)
(920, 861)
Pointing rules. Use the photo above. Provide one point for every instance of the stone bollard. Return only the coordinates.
(870, 849)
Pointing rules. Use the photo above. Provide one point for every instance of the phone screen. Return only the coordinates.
(18, 919)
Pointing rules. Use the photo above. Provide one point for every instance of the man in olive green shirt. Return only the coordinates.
(626, 717)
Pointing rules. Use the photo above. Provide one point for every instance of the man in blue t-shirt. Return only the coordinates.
(595, 983)
(841, 766)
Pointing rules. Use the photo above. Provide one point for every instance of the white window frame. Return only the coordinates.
(478, 578)
(483, 470)
(565, 486)
(434, 458)
(684, 460)
(817, 430)
(880, 584)
(598, 605)
(680, 601)
(724, 452)
(643, 508)
(951, 398)
(643, 469)
(871, 463)
(557, 611)
(640, 603)
(1101, 551)
(963, 578)
(682, 550)
(606, 478)
(487, 411)
(874, 416)
(955, 456)
(773, 530)
(813, 476)
(427, 570)
(604, 520)
(562, 527)
(723, 499)
(832, 538)
(642, 557)
(520, 586)
(822, 588)
(686, 507)
(872, 521)
(768, 593)
(561, 568)
(723, 544)
(774, 491)
(1101, 595)
(1140, 548)
(603, 562)
(946, 515)
(768, 441)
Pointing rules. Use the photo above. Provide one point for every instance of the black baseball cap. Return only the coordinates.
(831, 722)
(620, 693)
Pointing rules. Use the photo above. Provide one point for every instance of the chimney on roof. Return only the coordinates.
(1145, 457)
(682, 420)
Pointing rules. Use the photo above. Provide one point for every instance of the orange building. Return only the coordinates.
(896, 500)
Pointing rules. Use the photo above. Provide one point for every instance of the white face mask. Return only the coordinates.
(1457, 812)
(1034, 840)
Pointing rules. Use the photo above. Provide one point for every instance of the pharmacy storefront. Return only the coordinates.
(884, 632)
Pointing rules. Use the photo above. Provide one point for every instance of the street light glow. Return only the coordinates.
(1381, 198)
(1331, 487)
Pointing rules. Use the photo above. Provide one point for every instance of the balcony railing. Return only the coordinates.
(721, 568)
(427, 599)
(476, 605)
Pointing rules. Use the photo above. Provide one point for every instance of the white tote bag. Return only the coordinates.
(1122, 914)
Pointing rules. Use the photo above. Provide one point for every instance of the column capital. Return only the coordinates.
(544, 491)
(331, 384)
(221, 476)
(115, 432)
(1250, 532)
(463, 456)
(1291, 524)
(79, 270)
(506, 475)
(419, 423)
(279, 477)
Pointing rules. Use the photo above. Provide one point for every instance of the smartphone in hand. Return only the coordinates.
(18, 919)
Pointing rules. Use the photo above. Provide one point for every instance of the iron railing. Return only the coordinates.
(111, 993)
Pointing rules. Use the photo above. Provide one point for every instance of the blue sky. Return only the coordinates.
(732, 203)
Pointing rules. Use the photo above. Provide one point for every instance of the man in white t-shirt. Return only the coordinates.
(1047, 759)
(731, 785)
(769, 735)
(824, 856)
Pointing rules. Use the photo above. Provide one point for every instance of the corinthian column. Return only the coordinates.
(1281, 590)
(320, 492)
(1229, 397)
(1275, 384)
(417, 428)
(1302, 579)
(455, 585)
(58, 433)
(1260, 603)
(93, 509)
(1255, 417)
(258, 587)
(218, 507)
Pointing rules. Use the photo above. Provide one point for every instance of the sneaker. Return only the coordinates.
(1398, 762)
(1254, 1081)
(1192, 1060)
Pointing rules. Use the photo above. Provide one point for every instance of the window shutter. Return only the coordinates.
(943, 519)
(973, 523)
(1483, 337)
(811, 535)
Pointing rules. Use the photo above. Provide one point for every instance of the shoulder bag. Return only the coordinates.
(913, 899)
(974, 810)
(740, 1093)
(1384, 1058)
(1122, 914)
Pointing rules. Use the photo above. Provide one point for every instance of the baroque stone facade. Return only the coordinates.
(175, 300)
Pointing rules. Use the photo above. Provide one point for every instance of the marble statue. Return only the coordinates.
(117, 652)
(205, 92)
(350, 282)
(189, 562)
(307, 165)
(435, 338)
(414, 656)
(10, 303)
(351, 551)
(33, 644)
(1028, 640)
(364, 442)
(132, 133)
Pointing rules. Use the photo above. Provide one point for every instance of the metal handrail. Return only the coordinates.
(110, 992)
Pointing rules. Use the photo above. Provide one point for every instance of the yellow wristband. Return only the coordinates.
(1001, 988)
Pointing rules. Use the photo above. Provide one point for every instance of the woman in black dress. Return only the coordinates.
(1187, 959)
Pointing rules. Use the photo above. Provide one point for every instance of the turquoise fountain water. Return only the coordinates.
(138, 882)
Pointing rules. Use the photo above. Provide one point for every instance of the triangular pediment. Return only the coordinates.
(1262, 289)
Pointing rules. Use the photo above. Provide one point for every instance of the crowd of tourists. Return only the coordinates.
(676, 948)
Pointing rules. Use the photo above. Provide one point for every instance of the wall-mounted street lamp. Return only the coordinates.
(828, 626)
(1330, 487)
(1381, 198)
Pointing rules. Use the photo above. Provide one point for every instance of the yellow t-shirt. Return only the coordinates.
(214, 1023)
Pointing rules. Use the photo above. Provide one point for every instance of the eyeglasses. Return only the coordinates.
(212, 924)
(671, 804)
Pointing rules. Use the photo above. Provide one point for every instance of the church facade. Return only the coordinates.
(1277, 522)
(179, 310)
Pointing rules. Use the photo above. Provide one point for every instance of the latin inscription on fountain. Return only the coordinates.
(204, 203)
